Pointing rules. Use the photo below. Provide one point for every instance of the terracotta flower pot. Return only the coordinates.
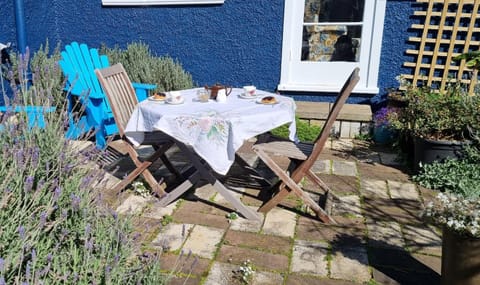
(460, 259)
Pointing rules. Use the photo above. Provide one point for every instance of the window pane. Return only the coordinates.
(327, 42)
(333, 11)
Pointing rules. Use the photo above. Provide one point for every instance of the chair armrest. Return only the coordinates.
(34, 113)
(141, 89)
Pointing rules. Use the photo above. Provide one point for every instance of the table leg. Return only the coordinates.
(205, 173)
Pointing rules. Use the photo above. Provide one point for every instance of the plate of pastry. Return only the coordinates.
(158, 97)
(267, 100)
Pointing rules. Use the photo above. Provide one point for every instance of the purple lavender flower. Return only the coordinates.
(75, 202)
(381, 117)
(43, 219)
(56, 193)
(2, 264)
(21, 231)
(28, 184)
(2, 281)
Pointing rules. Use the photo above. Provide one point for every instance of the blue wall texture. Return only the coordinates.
(236, 43)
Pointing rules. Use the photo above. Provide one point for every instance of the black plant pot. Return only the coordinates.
(427, 151)
(460, 259)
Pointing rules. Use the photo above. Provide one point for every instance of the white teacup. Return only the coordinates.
(175, 96)
(249, 90)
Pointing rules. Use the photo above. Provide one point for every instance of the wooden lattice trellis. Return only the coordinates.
(448, 28)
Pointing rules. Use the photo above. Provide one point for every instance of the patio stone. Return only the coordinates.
(345, 145)
(172, 237)
(343, 233)
(403, 190)
(260, 259)
(381, 172)
(385, 234)
(203, 241)
(345, 168)
(280, 222)
(133, 205)
(184, 264)
(350, 263)
(156, 211)
(348, 205)
(243, 224)
(423, 239)
(273, 244)
(406, 211)
(221, 273)
(394, 276)
(205, 192)
(300, 279)
(236, 192)
(389, 159)
(322, 166)
(199, 213)
(266, 278)
(374, 188)
(340, 185)
(432, 262)
(310, 257)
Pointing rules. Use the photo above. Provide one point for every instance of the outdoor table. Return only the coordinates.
(209, 133)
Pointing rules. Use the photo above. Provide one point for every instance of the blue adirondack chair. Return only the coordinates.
(85, 93)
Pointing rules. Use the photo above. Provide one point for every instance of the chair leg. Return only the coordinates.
(290, 185)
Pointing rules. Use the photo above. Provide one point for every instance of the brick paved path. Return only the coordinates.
(380, 237)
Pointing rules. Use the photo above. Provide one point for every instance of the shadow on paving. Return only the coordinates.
(390, 264)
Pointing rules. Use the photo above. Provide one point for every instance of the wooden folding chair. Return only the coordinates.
(122, 98)
(302, 157)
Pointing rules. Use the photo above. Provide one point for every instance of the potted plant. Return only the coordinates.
(456, 210)
(440, 122)
(383, 132)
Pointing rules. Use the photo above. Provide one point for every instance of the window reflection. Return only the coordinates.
(325, 41)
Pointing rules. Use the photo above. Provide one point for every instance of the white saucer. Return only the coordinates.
(156, 100)
(169, 101)
(247, 96)
(259, 101)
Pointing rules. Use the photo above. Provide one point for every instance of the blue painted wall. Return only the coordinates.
(236, 43)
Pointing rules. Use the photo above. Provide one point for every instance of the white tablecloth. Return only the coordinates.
(214, 130)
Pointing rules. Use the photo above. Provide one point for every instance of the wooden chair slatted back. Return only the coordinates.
(332, 116)
(120, 93)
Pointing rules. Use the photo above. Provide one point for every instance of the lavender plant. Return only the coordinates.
(55, 227)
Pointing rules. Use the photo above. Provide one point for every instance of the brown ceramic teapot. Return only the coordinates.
(213, 90)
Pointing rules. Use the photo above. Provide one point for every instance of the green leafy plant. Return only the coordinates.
(167, 219)
(448, 115)
(305, 131)
(458, 204)
(142, 66)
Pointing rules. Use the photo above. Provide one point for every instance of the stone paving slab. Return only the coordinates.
(280, 222)
(403, 190)
(156, 211)
(422, 239)
(310, 257)
(133, 205)
(269, 243)
(350, 263)
(385, 234)
(203, 241)
(348, 205)
(345, 168)
(172, 237)
(266, 278)
(374, 188)
(243, 224)
(260, 259)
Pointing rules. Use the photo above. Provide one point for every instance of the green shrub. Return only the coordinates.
(56, 229)
(305, 132)
(459, 176)
(144, 67)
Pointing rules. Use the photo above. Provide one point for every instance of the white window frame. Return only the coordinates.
(369, 63)
(158, 2)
